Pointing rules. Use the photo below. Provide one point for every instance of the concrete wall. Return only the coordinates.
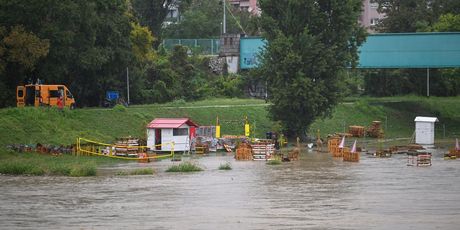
(232, 64)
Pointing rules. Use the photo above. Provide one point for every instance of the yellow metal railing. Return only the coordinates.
(96, 148)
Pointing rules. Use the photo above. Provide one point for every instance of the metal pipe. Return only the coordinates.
(127, 81)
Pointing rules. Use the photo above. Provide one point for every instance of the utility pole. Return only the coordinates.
(127, 82)
(224, 22)
(428, 82)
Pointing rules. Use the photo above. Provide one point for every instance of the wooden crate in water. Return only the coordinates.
(243, 152)
(333, 146)
(419, 159)
(349, 156)
(262, 150)
(454, 152)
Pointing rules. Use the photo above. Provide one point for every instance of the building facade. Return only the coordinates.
(246, 5)
(369, 16)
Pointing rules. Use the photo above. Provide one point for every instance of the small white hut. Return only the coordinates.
(162, 131)
(424, 130)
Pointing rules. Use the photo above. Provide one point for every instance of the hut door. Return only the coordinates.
(158, 139)
(192, 132)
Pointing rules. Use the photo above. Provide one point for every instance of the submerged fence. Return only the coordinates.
(197, 46)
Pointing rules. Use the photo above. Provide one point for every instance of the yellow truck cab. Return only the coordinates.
(44, 95)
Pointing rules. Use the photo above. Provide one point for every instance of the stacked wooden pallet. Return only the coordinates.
(127, 146)
(262, 150)
(201, 148)
(333, 145)
(356, 131)
(419, 159)
(375, 130)
(243, 152)
(349, 156)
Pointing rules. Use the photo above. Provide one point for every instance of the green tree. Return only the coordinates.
(309, 43)
(447, 23)
(142, 43)
(23, 48)
(20, 51)
(152, 13)
(89, 43)
(448, 83)
(413, 15)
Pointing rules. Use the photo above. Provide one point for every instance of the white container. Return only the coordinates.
(424, 130)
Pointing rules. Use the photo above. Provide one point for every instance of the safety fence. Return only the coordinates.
(90, 147)
(197, 46)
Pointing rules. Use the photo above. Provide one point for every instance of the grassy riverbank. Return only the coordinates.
(397, 115)
(39, 164)
(50, 126)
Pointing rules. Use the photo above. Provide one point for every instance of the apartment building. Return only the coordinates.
(369, 16)
(247, 5)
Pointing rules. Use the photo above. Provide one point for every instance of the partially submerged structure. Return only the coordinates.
(163, 131)
(418, 158)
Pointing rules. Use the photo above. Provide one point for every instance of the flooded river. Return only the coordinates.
(317, 192)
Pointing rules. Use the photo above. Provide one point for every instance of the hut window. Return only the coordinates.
(180, 132)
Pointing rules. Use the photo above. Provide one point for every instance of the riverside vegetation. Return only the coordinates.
(51, 126)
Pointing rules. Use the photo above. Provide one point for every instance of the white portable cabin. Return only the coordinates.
(424, 130)
(162, 131)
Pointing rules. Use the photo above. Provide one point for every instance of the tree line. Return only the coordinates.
(89, 45)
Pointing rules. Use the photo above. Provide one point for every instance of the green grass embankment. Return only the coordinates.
(50, 126)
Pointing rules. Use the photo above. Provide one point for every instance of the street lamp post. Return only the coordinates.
(224, 21)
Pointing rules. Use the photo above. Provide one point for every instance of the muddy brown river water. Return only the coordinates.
(317, 192)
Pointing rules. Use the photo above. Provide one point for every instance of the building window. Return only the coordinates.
(180, 132)
(374, 21)
(374, 5)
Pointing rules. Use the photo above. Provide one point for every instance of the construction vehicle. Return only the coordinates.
(44, 95)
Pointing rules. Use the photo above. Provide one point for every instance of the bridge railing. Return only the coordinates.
(199, 46)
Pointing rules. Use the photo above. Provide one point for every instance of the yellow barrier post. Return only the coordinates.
(77, 146)
(217, 128)
(247, 132)
(172, 149)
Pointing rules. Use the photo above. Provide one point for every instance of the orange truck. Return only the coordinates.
(44, 95)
